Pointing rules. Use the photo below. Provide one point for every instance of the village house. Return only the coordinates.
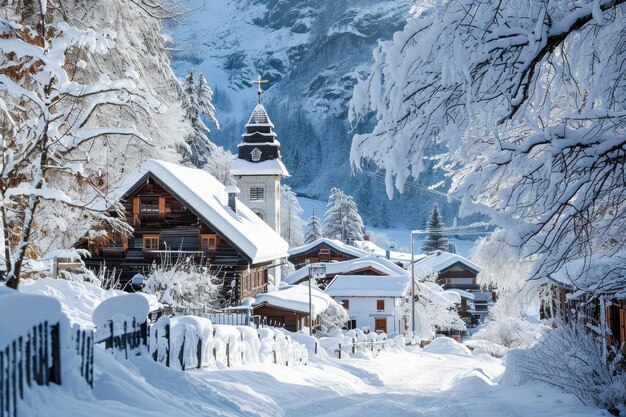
(564, 303)
(289, 307)
(368, 265)
(324, 250)
(179, 211)
(373, 302)
(455, 272)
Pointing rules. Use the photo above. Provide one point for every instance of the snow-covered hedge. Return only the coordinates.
(196, 342)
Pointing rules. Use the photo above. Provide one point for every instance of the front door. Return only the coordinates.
(380, 325)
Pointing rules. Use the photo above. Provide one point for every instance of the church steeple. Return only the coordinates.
(258, 168)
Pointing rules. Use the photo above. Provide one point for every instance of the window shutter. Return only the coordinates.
(161, 205)
(135, 205)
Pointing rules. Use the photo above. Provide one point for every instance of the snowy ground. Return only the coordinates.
(399, 236)
(394, 384)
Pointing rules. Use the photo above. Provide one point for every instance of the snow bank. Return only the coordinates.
(447, 346)
(23, 311)
(131, 306)
(78, 299)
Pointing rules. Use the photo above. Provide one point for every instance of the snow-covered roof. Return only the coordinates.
(336, 268)
(207, 198)
(403, 257)
(259, 117)
(462, 293)
(368, 286)
(440, 261)
(269, 167)
(296, 298)
(335, 244)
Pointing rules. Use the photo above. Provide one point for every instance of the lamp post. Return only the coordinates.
(413, 282)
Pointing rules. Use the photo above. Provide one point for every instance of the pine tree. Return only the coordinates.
(436, 238)
(313, 229)
(342, 220)
(197, 101)
(290, 221)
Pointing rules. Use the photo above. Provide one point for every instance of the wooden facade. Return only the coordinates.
(165, 228)
(291, 320)
(564, 307)
(320, 253)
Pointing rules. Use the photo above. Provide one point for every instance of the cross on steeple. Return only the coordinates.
(259, 81)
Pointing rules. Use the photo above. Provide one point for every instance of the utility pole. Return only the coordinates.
(412, 283)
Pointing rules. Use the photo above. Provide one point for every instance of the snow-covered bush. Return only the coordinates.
(185, 284)
(573, 358)
(333, 318)
(497, 336)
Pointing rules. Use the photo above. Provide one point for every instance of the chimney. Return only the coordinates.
(366, 238)
(232, 191)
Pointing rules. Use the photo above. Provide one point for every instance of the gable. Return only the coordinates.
(207, 199)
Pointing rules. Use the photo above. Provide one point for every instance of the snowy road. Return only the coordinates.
(395, 384)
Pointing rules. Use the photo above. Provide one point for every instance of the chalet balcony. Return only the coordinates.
(149, 220)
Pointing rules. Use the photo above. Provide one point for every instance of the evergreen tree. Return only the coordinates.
(436, 238)
(290, 221)
(313, 229)
(342, 220)
(197, 101)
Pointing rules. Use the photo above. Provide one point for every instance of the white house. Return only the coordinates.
(375, 302)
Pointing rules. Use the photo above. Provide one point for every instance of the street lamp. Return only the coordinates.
(413, 233)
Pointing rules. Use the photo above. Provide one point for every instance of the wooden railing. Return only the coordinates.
(34, 358)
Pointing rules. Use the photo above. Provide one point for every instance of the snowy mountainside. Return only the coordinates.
(312, 54)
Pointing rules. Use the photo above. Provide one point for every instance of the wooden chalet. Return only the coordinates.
(368, 265)
(178, 211)
(324, 250)
(455, 272)
(563, 305)
(289, 307)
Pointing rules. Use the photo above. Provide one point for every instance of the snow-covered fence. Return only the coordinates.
(30, 347)
(354, 341)
(122, 324)
(83, 341)
(217, 317)
(195, 342)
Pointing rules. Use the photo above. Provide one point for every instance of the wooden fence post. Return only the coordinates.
(339, 350)
(169, 344)
(55, 371)
(181, 357)
(228, 354)
(199, 351)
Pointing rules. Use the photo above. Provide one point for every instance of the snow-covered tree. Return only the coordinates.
(50, 104)
(436, 239)
(290, 217)
(530, 98)
(197, 102)
(342, 220)
(313, 229)
(433, 311)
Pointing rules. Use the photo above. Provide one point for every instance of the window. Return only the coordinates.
(256, 155)
(345, 304)
(380, 305)
(150, 242)
(208, 242)
(149, 205)
(324, 255)
(257, 193)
